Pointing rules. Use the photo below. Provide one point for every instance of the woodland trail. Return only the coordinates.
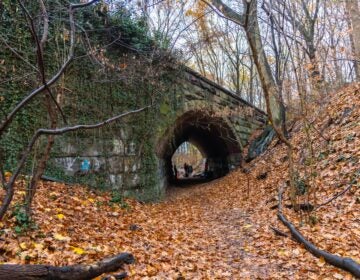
(216, 230)
(237, 242)
(229, 230)
(221, 229)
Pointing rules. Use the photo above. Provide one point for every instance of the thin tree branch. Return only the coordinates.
(186, 27)
(9, 118)
(40, 57)
(46, 25)
(334, 197)
(15, 52)
(2, 177)
(225, 12)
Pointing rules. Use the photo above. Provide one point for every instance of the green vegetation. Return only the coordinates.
(122, 69)
(23, 222)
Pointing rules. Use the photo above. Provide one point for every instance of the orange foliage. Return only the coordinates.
(199, 13)
(210, 231)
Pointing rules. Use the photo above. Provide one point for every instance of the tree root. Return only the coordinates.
(347, 264)
(72, 272)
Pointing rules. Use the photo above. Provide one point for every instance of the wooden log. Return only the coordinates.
(72, 272)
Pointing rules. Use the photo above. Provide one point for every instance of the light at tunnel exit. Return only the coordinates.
(188, 162)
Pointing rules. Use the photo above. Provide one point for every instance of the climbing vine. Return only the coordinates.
(117, 67)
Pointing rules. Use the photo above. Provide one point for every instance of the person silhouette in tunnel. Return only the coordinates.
(175, 171)
(186, 169)
(190, 170)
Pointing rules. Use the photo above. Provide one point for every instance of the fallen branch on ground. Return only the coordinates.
(303, 206)
(334, 197)
(278, 232)
(347, 264)
(72, 272)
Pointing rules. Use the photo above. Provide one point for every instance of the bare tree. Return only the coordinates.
(249, 21)
(353, 12)
(303, 16)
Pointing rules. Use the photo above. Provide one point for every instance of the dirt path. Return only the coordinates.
(229, 232)
(208, 231)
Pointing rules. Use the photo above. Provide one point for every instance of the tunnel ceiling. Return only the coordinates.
(211, 135)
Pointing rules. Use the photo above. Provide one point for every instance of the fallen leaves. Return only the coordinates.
(321, 262)
(247, 226)
(210, 231)
(77, 250)
(60, 216)
(60, 237)
(23, 246)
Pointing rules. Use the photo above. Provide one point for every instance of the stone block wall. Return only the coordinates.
(116, 162)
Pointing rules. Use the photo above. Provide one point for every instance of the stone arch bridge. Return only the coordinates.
(212, 118)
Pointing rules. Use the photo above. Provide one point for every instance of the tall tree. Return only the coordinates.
(249, 21)
(352, 8)
(303, 15)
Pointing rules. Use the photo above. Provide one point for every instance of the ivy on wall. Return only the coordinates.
(126, 69)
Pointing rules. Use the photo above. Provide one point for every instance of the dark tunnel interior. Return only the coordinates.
(210, 134)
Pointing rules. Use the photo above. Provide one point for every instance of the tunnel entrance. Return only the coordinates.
(188, 162)
(213, 138)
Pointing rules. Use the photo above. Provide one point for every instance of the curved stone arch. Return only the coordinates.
(212, 109)
(130, 163)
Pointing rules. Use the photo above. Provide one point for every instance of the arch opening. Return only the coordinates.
(210, 134)
(188, 162)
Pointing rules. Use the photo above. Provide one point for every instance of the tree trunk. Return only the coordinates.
(316, 78)
(72, 272)
(248, 20)
(338, 74)
(251, 90)
(41, 164)
(353, 15)
(262, 65)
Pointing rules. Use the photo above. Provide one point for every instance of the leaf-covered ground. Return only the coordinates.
(218, 230)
